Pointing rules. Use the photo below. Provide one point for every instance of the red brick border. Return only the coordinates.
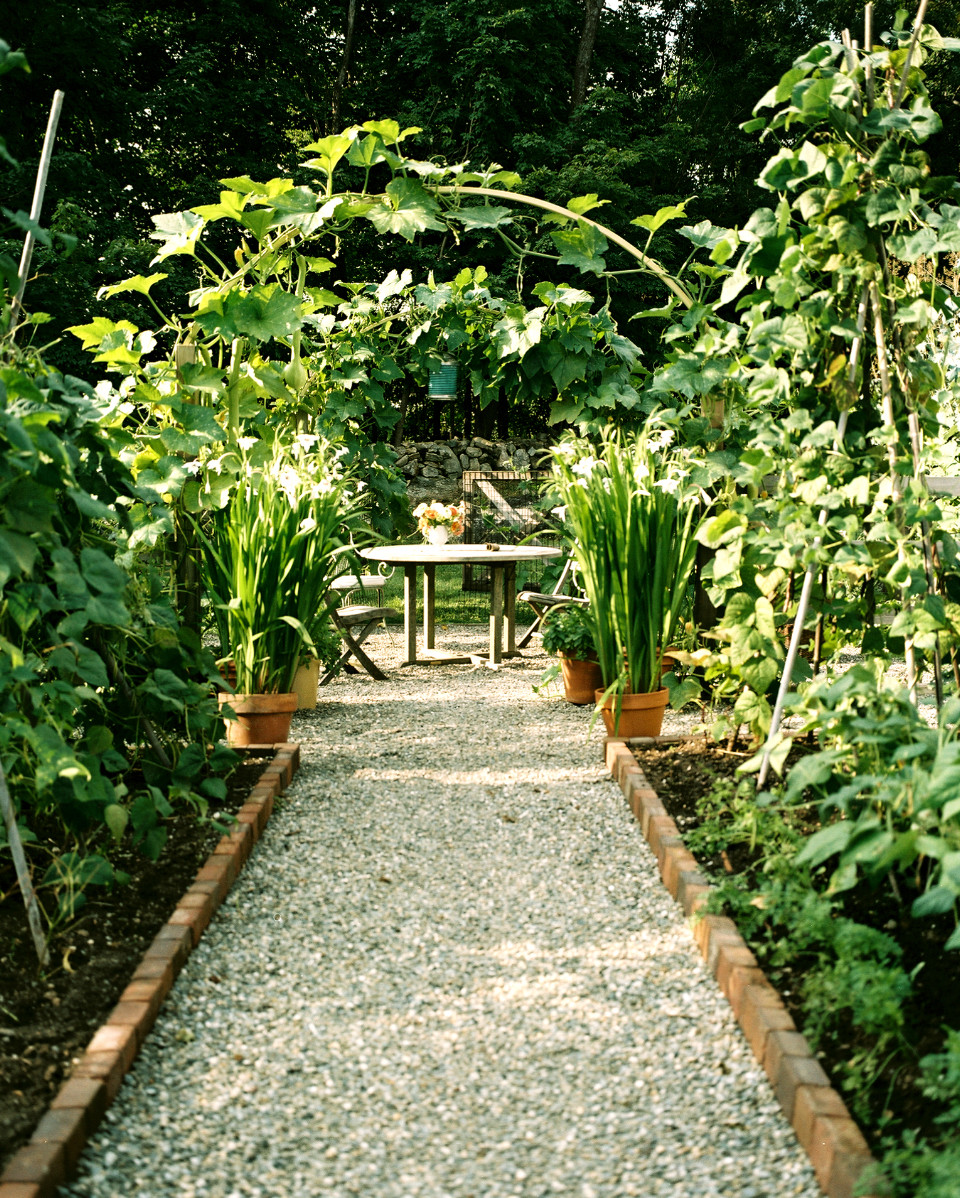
(827, 1133)
(49, 1159)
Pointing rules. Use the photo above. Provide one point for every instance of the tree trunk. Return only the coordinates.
(581, 66)
(342, 75)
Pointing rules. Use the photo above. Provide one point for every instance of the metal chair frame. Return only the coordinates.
(542, 602)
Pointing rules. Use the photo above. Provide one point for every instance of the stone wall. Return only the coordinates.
(434, 469)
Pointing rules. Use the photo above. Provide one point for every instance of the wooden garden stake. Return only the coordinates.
(23, 872)
(39, 189)
(917, 26)
(868, 48)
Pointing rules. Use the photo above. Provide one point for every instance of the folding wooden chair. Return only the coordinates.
(354, 624)
(542, 602)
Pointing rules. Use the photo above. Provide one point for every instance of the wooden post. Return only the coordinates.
(23, 872)
(37, 204)
(410, 611)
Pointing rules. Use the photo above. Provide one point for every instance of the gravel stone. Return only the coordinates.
(448, 970)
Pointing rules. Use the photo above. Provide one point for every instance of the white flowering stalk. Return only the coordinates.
(269, 557)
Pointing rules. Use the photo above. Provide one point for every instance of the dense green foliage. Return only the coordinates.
(163, 102)
(798, 356)
(568, 628)
(107, 715)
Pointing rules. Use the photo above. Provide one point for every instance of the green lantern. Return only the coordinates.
(443, 380)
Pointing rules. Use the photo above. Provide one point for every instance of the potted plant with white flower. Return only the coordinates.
(268, 557)
(437, 522)
(634, 511)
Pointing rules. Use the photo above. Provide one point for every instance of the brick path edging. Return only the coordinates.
(824, 1127)
(49, 1159)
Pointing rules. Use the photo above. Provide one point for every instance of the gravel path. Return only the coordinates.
(449, 969)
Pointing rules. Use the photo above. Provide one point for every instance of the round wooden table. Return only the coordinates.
(502, 563)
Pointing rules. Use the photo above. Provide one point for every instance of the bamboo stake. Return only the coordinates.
(38, 192)
(868, 50)
(886, 387)
(915, 37)
(889, 420)
(23, 872)
(850, 56)
(913, 425)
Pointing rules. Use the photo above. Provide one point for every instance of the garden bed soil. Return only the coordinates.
(47, 1018)
(682, 775)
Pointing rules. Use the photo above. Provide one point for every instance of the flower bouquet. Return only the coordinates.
(437, 522)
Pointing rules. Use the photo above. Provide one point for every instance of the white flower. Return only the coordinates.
(565, 449)
(585, 467)
(560, 512)
(670, 485)
(661, 440)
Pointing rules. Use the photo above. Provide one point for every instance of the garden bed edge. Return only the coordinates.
(827, 1132)
(49, 1158)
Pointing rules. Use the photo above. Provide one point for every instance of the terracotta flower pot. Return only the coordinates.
(228, 672)
(306, 683)
(580, 679)
(263, 719)
(640, 715)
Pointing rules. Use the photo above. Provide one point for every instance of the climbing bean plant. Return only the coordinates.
(818, 345)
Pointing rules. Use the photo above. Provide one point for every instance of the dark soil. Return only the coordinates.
(683, 775)
(47, 1019)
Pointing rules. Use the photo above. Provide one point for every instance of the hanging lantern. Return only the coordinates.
(443, 380)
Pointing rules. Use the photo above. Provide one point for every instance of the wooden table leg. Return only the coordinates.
(410, 612)
(496, 614)
(429, 606)
(510, 610)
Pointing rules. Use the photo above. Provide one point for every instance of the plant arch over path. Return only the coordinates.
(263, 342)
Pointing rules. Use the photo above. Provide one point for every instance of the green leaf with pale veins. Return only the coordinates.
(264, 313)
(661, 216)
(389, 130)
(406, 208)
(200, 420)
(139, 283)
(518, 331)
(582, 247)
(178, 231)
(232, 204)
(584, 204)
(329, 152)
(91, 335)
(101, 572)
(366, 152)
(197, 377)
(258, 222)
(484, 216)
(703, 234)
(247, 186)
